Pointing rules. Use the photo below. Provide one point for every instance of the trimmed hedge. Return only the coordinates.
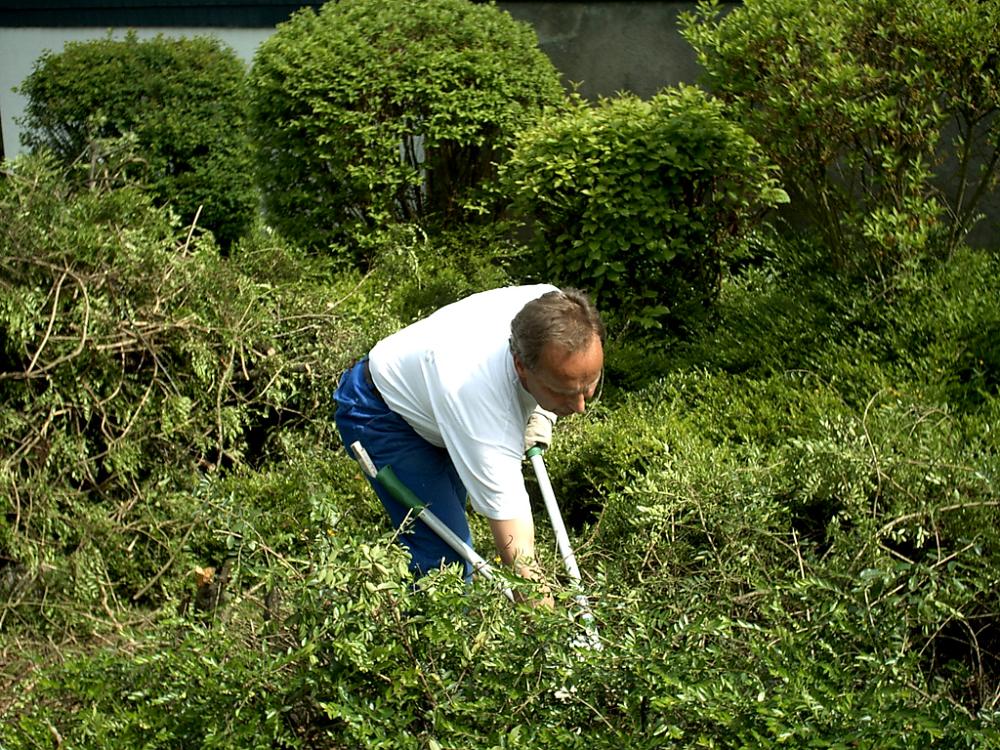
(133, 362)
(374, 111)
(641, 202)
(180, 103)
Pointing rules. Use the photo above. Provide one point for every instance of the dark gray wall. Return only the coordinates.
(611, 47)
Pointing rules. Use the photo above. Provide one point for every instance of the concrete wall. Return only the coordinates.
(605, 47)
(613, 47)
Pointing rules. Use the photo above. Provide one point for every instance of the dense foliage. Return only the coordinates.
(788, 519)
(788, 524)
(181, 100)
(133, 361)
(370, 112)
(883, 114)
(640, 201)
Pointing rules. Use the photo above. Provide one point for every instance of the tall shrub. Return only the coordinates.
(181, 101)
(639, 201)
(375, 111)
(881, 113)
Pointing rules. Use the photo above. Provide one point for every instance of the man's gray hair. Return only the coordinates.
(566, 317)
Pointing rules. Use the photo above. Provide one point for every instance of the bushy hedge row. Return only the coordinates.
(841, 504)
(181, 102)
(134, 360)
(770, 552)
(769, 563)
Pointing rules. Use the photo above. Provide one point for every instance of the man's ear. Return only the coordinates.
(519, 367)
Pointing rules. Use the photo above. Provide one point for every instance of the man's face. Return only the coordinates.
(563, 381)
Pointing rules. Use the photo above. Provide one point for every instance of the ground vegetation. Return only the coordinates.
(786, 511)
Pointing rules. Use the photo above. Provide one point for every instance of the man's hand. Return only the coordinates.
(538, 431)
(515, 542)
(542, 595)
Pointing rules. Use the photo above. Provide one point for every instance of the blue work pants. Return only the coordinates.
(426, 469)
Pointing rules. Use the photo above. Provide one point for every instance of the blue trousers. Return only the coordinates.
(427, 470)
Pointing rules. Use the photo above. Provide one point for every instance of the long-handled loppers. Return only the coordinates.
(388, 479)
(562, 540)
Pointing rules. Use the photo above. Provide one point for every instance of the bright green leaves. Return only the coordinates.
(135, 359)
(854, 100)
(637, 201)
(370, 113)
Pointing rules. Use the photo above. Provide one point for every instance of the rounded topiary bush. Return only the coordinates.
(370, 112)
(639, 201)
(180, 101)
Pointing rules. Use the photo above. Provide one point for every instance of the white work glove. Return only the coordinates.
(538, 431)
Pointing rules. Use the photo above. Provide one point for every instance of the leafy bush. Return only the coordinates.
(781, 314)
(794, 550)
(640, 201)
(870, 108)
(133, 360)
(721, 624)
(929, 325)
(733, 497)
(426, 272)
(372, 112)
(182, 102)
(812, 427)
(942, 328)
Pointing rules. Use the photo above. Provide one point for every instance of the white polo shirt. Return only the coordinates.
(451, 377)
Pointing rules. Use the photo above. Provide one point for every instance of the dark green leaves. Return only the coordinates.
(370, 113)
(181, 105)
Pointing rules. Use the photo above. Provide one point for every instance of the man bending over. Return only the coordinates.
(453, 401)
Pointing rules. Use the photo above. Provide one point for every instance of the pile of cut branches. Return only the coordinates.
(134, 360)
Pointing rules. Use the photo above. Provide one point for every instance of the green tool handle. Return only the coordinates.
(388, 479)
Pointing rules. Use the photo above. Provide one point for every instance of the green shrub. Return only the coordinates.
(357, 657)
(133, 361)
(928, 327)
(789, 580)
(640, 201)
(182, 103)
(426, 272)
(941, 327)
(185, 686)
(867, 107)
(787, 525)
(781, 313)
(372, 112)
